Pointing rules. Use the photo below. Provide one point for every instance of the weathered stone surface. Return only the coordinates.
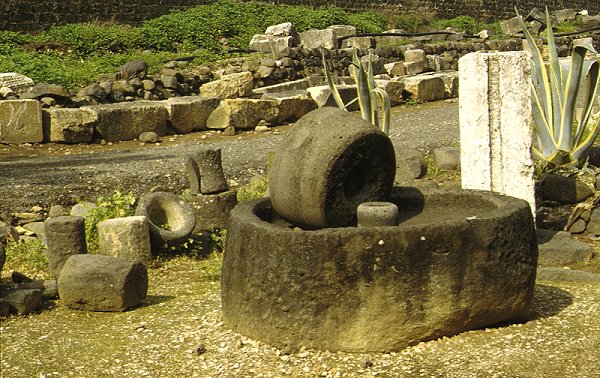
(355, 290)
(558, 249)
(68, 125)
(188, 114)
(414, 55)
(410, 165)
(323, 169)
(65, 237)
(447, 158)
(170, 219)
(314, 39)
(358, 43)
(16, 82)
(148, 137)
(38, 228)
(563, 189)
(292, 105)
(377, 214)
(127, 237)
(450, 79)
(243, 113)
(102, 283)
(126, 121)
(563, 15)
(495, 124)
(2, 256)
(82, 209)
(212, 210)
(229, 86)
(21, 122)
(425, 88)
(593, 226)
(511, 27)
(394, 89)
(343, 30)
(415, 68)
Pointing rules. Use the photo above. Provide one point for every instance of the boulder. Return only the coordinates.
(414, 55)
(127, 237)
(57, 92)
(358, 43)
(425, 88)
(511, 27)
(22, 301)
(593, 226)
(395, 69)
(190, 113)
(68, 125)
(559, 249)
(564, 190)
(102, 283)
(447, 158)
(243, 113)
(563, 15)
(321, 95)
(394, 88)
(410, 165)
(561, 274)
(285, 29)
(126, 121)
(229, 86)
(415, 68)
(65, 237)
(134, 69)
(94, 92)
(21, 122)
(292, 104)
(82, 209)
(205, 172)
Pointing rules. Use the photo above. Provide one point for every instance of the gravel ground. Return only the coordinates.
(161, 339)
(65, 174)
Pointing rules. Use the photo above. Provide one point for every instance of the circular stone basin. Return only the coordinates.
(459, 260)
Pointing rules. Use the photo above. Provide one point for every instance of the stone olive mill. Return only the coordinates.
(298, 270)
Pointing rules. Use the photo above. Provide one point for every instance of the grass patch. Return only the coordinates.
(255, 189)
(28, 257)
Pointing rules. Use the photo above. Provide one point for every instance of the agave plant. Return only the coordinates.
(562, 139)
(374, 102)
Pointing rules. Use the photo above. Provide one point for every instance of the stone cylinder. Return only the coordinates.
(374, 214)
(208, 164)
(102, 283)
(65, 237)
(330, 162)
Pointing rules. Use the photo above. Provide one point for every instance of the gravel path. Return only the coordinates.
(61, 174)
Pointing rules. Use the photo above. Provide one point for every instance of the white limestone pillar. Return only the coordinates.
(495, 124)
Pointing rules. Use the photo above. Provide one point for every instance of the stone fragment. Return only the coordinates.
(65, 237)
(22, 301)
(321, 95)
(315, 39)
(559, 249)
(589, 22)
(38, 228)
(94, 91)
(277, 46)
(57, 211)
(377, 214)
(563, 189)
(47, 102)
(447, 158)
(134, 69)
(229, 86)
(395, 69)
(21, 122)
(425, 88)
(126, 121)
(68, 125)
(190, 113)
(593, 226)
(563, 15)
(511, 27)
(358, 43)
(284, 29)
(58, 92)
(414, 55)
(212, 210)
(127, 237)
(243, 113)
(2, 255)
(292, 104)
(148, 137)
(16, 82)
(82, 209)
(395, 90)
(102, 283)
(410, 165)
(4, 308)
(212, 180)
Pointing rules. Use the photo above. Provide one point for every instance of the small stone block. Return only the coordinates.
(65, 237)
(127, 237)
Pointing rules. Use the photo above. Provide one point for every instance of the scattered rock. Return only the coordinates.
(564, 190)
(559, 249)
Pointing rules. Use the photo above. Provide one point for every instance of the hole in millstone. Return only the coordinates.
(355, 179)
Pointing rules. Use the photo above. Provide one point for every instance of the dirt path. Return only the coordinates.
(64, 174)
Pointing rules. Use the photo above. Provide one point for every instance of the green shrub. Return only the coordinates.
(118, 205)
(28, 257)
(466, 24)
(367, 22)
(412, 23)
(254, 190)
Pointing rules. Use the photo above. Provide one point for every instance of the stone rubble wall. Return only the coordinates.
(31, 15)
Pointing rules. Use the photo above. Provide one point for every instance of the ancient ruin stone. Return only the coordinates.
(134, 69)
(377, 214)
(563, 189)
(65, 237)
(243, 113)
(188, 114)
(212, 210)
(127, 237)
(16, 82)
(327, 165)
(68, 125)
(292, 105)
(57, 92)
(102, 283)
(229, 86)
(21, 122)
(425, 88)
